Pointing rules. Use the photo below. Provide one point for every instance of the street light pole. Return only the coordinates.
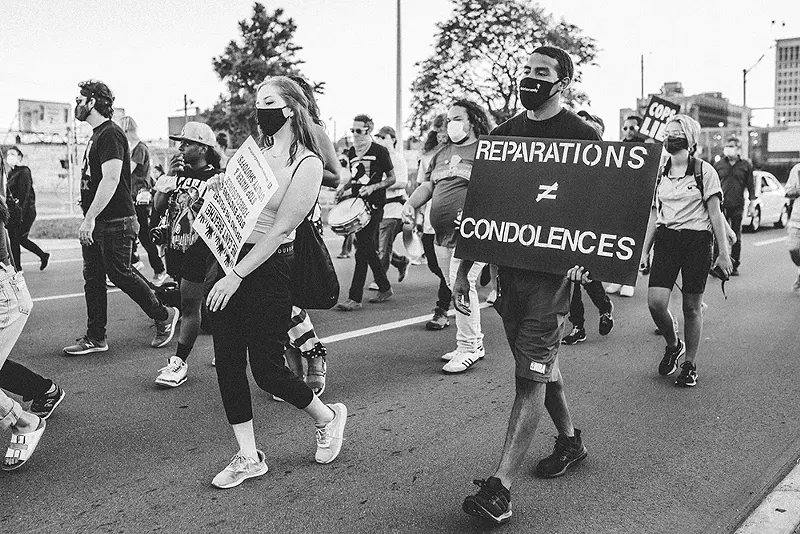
(745, 117)
(399, 101)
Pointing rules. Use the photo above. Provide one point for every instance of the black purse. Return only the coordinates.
(315, 285)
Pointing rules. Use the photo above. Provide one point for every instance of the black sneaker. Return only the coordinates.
(576, 336)
(568, 451)
(669, 363)
(607, 321)
(492, 502)
(688, 376)
(439, 320)
(45, 405)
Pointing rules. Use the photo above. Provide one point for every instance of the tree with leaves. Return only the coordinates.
(479, 54)
(266, 49)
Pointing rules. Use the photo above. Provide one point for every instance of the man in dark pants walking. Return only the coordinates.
(372, 173)
(533, 306)
(735, 175)
(109, 226)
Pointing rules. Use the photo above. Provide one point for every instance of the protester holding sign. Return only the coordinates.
(533, 305)
(684, 219)
(179, 196)
(446, 185)
(251, 305)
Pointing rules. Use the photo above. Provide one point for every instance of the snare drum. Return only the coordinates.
(349, 216)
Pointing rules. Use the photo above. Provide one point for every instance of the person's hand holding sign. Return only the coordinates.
(216, 182)
(578, 274)
(223, 290)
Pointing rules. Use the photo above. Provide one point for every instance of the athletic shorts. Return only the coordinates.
(793, 238)
(688, 252)
(534, 308)
(192, 265)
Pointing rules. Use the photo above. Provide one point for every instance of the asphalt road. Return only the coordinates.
(121, 455)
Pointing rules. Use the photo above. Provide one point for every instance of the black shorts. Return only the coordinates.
(192, 265)
(688, 252)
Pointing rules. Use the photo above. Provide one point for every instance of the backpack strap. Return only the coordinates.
(698, 176)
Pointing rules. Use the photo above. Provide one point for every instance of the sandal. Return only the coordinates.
(317, 367)
(22, 447)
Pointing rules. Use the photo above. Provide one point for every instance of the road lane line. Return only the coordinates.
(769, 241)
(384, 327)
(69, 296)
(51, 262)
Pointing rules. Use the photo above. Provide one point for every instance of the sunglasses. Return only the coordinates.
(359, 131)
(626, 128)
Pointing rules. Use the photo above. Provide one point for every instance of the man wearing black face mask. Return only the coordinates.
(109, 227)
(735, 175)
(372, 173)
(533, 305)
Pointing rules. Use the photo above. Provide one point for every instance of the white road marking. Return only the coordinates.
(69, 296)
(51, 262)
(384, 327)
(769, 241)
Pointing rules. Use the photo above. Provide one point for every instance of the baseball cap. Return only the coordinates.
(388, 130)
(197, 132)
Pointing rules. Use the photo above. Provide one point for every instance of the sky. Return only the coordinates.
(152, 52)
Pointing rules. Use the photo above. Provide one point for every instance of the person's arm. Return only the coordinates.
(649, 236)
(751, 189)
(112, 170)
(388, 180)
(793, 183)
(330, 170)
(400, 173)
(418, 198)
(298, 200)
(718, 225)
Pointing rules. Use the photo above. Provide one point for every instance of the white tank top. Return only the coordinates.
(283, 175)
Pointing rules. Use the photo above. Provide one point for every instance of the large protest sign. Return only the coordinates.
(658, 113)
(229, 215)
(547, 205)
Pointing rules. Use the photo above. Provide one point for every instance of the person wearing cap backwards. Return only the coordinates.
(179, 195)
(109, 227)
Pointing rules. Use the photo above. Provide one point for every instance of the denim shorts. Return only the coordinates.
(15, 300)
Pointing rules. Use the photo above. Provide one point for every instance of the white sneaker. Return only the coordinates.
(159, 279)
(491, 298)
(174, 374)
(449, 355)
(626, 291)
(329, 438)
(463, 360)
(613, 288)
(240, 469)
(373, 286)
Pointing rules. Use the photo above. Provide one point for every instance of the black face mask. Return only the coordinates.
(534, 93)
(82, 110)
(270, 120)
(673, 145)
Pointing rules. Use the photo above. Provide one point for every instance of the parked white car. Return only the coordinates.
(772, 206)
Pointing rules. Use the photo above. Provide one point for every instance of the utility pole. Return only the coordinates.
(186, 104)
(745, 144)
(642, 87)
(399, 102)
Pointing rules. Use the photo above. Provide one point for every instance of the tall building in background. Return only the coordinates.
(787, 81)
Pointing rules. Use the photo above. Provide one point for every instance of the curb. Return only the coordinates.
(779, 512)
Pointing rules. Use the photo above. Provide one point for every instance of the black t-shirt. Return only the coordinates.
(564, 125)
(140, 175)
(108, 142)
(184, 204)
(369, 169)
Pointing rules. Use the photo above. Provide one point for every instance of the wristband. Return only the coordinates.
(237, 274)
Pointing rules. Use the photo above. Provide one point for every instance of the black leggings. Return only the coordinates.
(20, 380)
(255, 322)
(18, 237)
(444, 295)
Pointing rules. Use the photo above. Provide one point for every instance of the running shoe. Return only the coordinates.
(348, 305)
(85, 345)
(45, 405)
(373, 286)
(577, 335)
(240, 469)
(688, 376)
(669, 363)
(402, 271)
(439, 320)
(165, 329)
(382, 296)
(174, 374)
(492, 502)
(607, 321)
(43, 261)
(329, 437)
(463, 360)
(566, 453)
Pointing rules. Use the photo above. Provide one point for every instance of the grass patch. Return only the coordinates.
(64, 228)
